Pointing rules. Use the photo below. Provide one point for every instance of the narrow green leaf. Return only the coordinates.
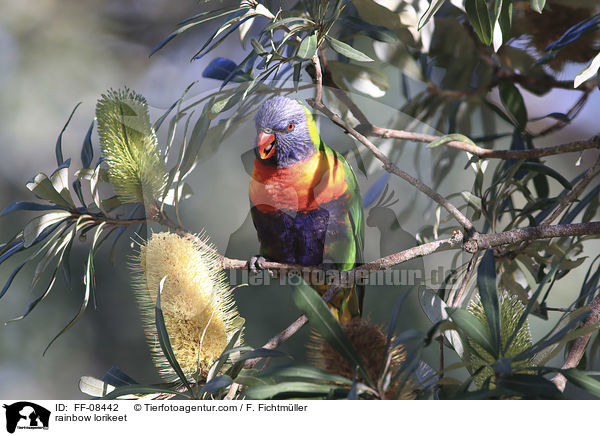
(435, 309)
(218, 364)
(296, 75)
(94, 387)
(319, 316)
(486, 284)
(217, 383)
(262, 392)
(306, 372)
(543, 169)
(58, 148)
(472, 328)
(88, 281)
(87, 151)
(284, 22)
(529, 386)
(164, 341)
(588, 72)
(432, 9)
(60, 181)
(347, 50)
(27, 205)
(479, 17)
(307, 47)
(581, 379)
(258, 48)
(36, 226)
(449, 138)
(513, 102)
(133, 391)
(538, 5)
(43, 188)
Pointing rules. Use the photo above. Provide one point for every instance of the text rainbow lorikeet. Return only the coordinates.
(305, 200)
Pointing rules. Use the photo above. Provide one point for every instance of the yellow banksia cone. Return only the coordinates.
(198, 309)
(130, 147)
(511, 310)
(369, 340)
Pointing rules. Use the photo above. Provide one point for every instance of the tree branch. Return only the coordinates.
(485, 153)
(368, 129)
(391, 168)
(580, 345)
(574, 193)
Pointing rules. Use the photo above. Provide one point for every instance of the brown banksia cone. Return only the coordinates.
(541, 30)
(369, 340)
(198, 309)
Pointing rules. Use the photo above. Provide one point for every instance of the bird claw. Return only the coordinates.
(256, 263)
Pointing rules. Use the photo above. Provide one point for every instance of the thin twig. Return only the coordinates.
(574, 193)
(484, 153)
(391, 168)
(580, 345)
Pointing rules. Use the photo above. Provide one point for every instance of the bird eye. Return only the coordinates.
(290, 127)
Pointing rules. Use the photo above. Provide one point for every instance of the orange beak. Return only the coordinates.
(266, 145)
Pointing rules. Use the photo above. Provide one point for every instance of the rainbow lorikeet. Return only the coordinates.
(306, 203)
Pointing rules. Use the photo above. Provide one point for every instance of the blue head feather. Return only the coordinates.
(274, 116)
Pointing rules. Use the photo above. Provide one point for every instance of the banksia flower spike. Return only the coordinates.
(369, 340)
(199, 312)
(511, 310)
(130, 147)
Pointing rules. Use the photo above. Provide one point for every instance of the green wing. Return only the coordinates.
(348, 250)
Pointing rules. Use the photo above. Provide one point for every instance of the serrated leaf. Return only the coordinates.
(347, 50)
(307, 47)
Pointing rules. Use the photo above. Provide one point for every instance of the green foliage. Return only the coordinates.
(510, 310)
(464, 59)
(130, 147)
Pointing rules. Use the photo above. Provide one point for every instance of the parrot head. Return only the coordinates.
(286, 132)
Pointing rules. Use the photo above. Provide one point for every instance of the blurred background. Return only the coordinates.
(56, 53)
